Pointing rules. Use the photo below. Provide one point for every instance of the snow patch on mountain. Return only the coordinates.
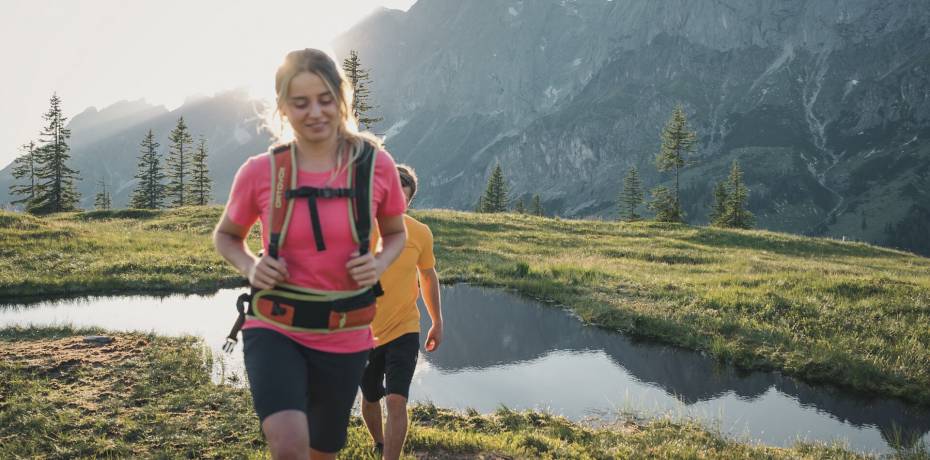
(395, 128)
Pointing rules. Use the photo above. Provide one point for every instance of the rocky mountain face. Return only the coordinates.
(825, 103)
(105, 143)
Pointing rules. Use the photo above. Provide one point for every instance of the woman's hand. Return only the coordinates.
(267, 272)
(365, 270)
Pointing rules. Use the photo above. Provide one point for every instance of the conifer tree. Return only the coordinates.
(360, 79)
(677, 141)
(178, 171)
(495, 195)
(536, 208)
(737, 216)
(631, 196)
(519, 208)
(201, 185)
(102, 201)
(664, 205)
(150, 192)
(910, 232)
(718, 213)
(55, 190)
(24, 167)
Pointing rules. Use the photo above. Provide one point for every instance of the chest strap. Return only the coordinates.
(311, 194)
(284, 192)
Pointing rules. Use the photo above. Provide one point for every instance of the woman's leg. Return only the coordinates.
(277, 373)
(287, 435)
(334, 380)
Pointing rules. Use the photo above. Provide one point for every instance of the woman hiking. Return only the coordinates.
(307, 335)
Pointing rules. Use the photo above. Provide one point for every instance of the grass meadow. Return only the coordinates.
(145, 396)
(849, 314)
(846, 313)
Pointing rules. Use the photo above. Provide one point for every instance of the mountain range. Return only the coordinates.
(825, 104)
(105, 144)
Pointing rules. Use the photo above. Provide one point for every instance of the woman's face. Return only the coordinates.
(311, 109)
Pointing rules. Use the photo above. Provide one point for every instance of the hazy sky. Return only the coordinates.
(97, 52)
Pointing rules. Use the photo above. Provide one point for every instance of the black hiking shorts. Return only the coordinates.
(283, 375)
(390, 368)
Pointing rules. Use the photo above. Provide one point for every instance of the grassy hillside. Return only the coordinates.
(145, 396)
(108, 252)
(824, 310)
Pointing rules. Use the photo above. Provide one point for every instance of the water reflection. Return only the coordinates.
(208, 317)
(501, 349)
(557, 362)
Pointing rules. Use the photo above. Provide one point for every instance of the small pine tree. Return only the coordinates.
(737, 216)
(677, 141)
(24, 167)
(536, 208)
(718, 213)
(631, 196)
(201, 184)
(520, 208)
(495, 195)
(890, 237)
(102, 201)
(150, 193)
(664, 205)
(360, 79)
(55, 190)
(179, 164)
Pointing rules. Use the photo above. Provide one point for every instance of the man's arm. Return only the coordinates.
(429, 289)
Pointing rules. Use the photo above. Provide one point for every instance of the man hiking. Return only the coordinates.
(396, 329)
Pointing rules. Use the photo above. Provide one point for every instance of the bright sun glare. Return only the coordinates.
(164, 52)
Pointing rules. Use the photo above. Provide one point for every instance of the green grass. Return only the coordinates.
(105, 252)
(145, 396)
(824, 310)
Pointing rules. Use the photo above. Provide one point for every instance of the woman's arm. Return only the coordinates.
(229, 241)
(367, 269)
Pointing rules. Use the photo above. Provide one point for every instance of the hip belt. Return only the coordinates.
(300, 311)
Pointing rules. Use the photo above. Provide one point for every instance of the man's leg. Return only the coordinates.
(371, 413)
(400, 362)
(372, 391)
(396, 426)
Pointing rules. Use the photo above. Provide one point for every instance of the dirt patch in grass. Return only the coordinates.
(54, 357)
(454, 456)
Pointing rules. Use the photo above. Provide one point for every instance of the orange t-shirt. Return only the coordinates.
(397, 308)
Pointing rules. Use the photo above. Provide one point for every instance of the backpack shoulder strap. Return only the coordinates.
(363, 184)
(283, 178)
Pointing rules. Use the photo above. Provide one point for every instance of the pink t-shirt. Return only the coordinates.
(249, 201)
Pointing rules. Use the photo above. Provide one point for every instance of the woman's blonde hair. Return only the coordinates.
(320, 64)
